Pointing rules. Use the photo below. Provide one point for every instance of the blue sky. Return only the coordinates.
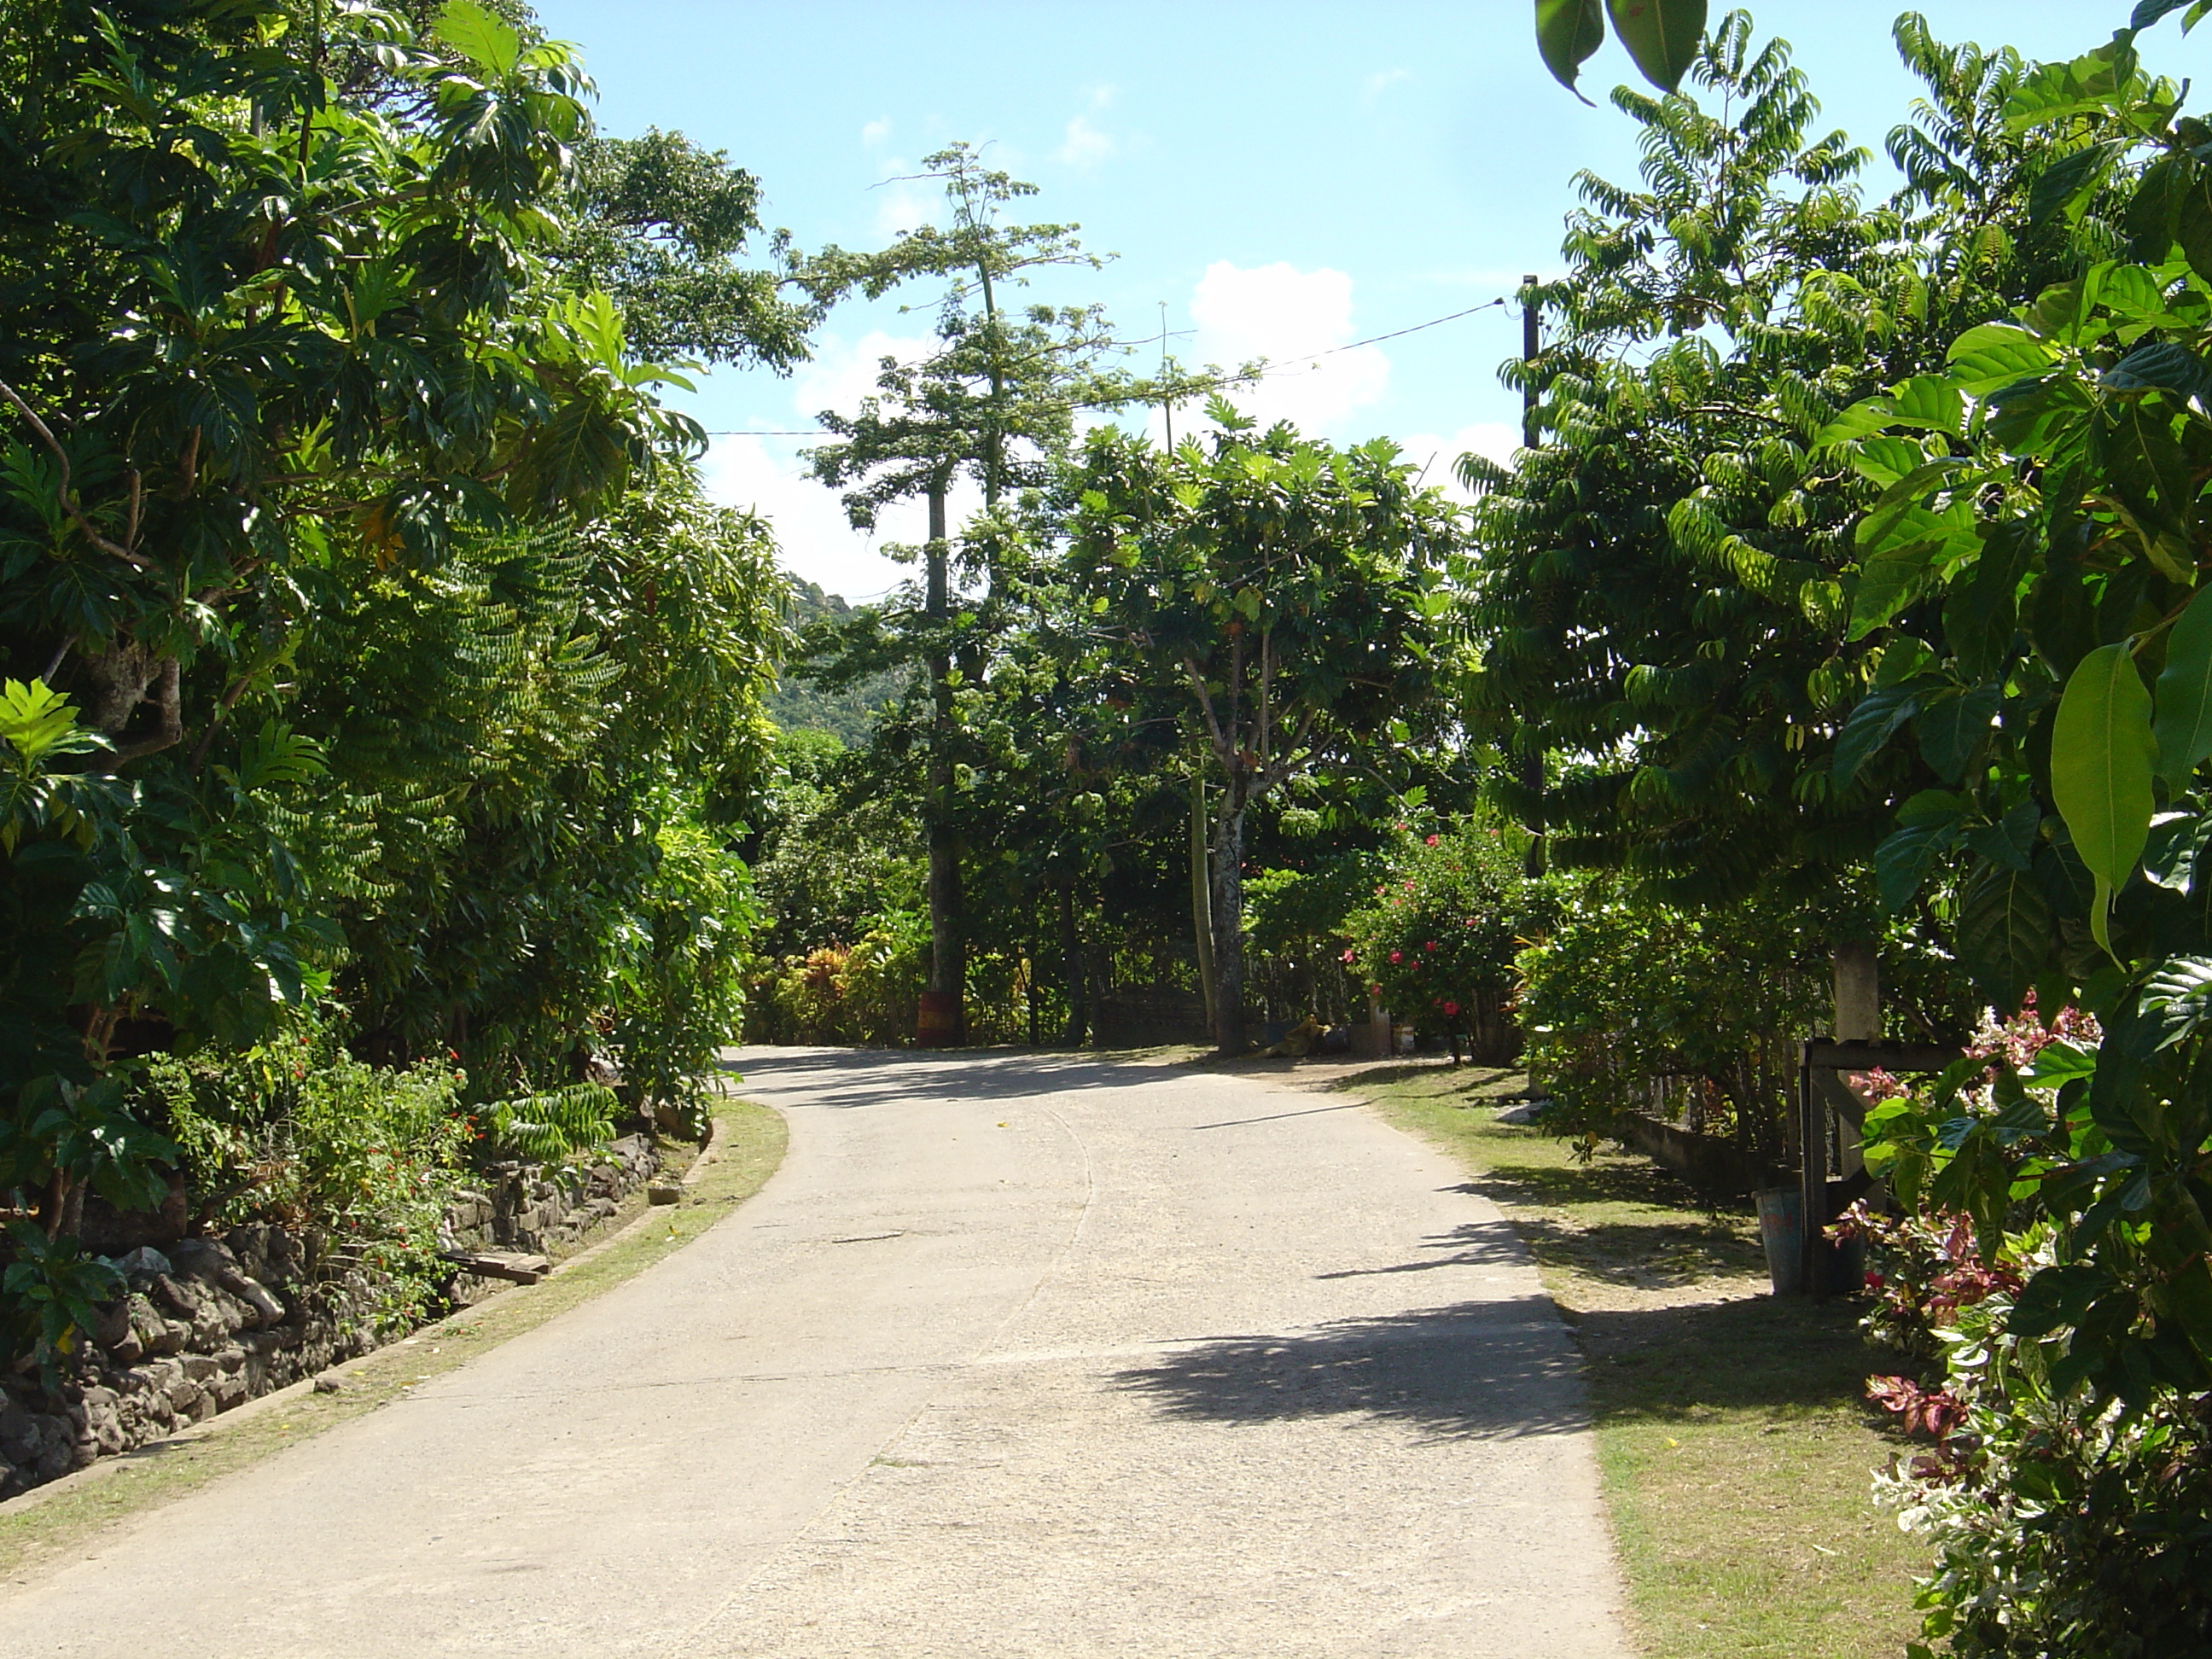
(1287, 178)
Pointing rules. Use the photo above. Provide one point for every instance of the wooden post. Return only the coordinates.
(1858, 1019)
(1857, 1010)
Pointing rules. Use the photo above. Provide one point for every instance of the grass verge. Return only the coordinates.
(45, 1524)
(1733, 1433)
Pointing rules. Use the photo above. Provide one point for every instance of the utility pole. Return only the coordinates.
(1531, 347)
(1167, 413)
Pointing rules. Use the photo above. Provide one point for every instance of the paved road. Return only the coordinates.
(1016, 1357)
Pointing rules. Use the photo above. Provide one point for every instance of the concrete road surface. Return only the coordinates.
(1017, 1356)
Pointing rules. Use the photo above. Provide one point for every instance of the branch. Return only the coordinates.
(1236, 688)
(171, 730)
(1222, 747)
(215, 721)
(62, 487)
(1282, 769)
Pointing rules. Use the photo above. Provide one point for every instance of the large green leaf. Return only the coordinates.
(479, 36)
(1662, 35)
(1868, 415)
(2101, 760)
(1981, 612)
(2183, 724)
(1901, 863)
(2162, 365)
(1929, 400)
(2003, 935)
(1567, 33)
(1995, 354)
(2147, 12)
(1869, 727)
(2070, 178)
(1888, 582)
(1951, 728)
(2192, 226)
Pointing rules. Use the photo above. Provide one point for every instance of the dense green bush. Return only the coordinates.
(367, 639)
(296, 1131)
(1624, 996)
(1299, 921)
(1440, 932)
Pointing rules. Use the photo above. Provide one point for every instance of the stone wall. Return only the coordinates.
(209, 1324)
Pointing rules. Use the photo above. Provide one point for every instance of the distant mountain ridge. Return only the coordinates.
(796, 705)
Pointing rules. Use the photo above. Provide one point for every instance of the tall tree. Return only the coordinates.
(661, 225)
(1661, 595)
(993, 402)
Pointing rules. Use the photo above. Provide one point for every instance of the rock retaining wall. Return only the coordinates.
(209, 1323)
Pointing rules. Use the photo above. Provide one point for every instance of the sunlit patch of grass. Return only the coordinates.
(44, 1525)
(1733, 1433)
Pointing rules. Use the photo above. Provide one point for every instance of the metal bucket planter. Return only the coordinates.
(1782, 1231)
(1842, 1267)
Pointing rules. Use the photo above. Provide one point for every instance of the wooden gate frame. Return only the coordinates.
(1820, 1090)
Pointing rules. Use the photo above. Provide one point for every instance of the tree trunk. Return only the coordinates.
(1201, 903)
(948, 964)
(1228, 925)
(1070, 955)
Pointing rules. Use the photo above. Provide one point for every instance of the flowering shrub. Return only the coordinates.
(2067, 1483)
(1929, 1270)
(1439, 936)
(870, 991)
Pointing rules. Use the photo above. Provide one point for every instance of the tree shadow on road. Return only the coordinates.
(1483, 1370)
(850, 1078)
(1477, 1244)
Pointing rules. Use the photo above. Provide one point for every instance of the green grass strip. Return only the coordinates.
(1733, 1435)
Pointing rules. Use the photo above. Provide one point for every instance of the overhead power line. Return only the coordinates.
(1272, 369)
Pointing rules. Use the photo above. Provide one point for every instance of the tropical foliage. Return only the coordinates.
(377, 673)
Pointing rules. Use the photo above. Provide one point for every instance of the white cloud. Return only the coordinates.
(1381, 82)
(903, 204)
(1437, 456)
(766, 474)
(875, 132)
(1085, 145)
(1288, 316)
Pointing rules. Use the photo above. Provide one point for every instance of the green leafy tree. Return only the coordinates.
(659, 224)
(2039, 556)
(1660, 591)
(993, 402)
(1292, 595)
(312, 394)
